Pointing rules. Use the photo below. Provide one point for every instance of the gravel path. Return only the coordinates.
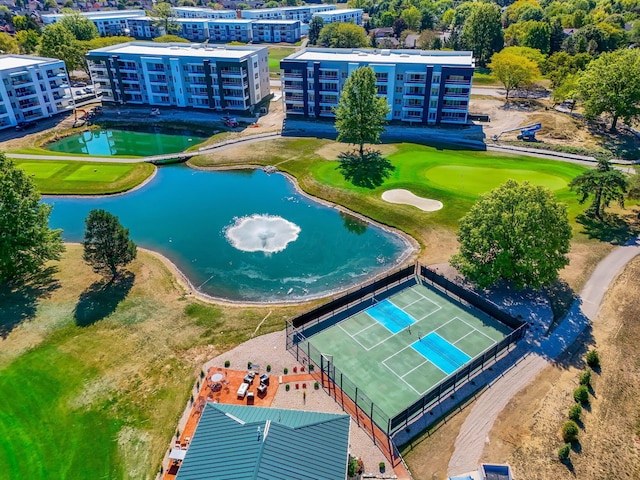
(539, 352)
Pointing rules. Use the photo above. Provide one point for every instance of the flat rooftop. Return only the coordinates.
(8, 62)
(342, 10)
(382, 56)
(275, 22)
(177, 50)
(103, 15)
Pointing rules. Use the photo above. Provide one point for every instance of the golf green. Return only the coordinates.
(476, 180)
(103, 173)
(39, 170)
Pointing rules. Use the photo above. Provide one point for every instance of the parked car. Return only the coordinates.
(25, 125)
(78, 84)
(89, 89)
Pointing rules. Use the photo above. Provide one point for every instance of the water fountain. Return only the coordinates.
(262, 233)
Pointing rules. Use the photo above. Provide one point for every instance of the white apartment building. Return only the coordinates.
(199, 12)
(352, 15)
(181, 75)
(275, 31)
(304, 14)
(236, 30)
(32, 88)
(109, 23)
(421, 87)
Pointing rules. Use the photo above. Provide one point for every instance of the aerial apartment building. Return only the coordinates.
(181, 75)
(274, 31)
(421, 87)
(304, 14)
(109, 23)
(32, 88)
(144, 28)
(236, 30)
(347, 15)
(199, 12)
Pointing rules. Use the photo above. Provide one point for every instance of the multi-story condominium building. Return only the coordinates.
(238, 30)
(199, 12)
(274, 31)
(182, 75)
(144, 28)
(32, 88)
(113, 22)
(194, 29)
(303, 14)
(353, 15)
(421, 87)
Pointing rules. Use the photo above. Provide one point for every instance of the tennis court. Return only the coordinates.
(402, 346)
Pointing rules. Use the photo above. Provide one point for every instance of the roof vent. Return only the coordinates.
(385, 51)
(405, 55)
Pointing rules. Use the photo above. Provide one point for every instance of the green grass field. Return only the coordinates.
(61, 177)
(276, 54)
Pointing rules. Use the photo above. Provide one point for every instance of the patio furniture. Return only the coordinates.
(262, 389)
(250, 398)
(264, 378)
(242, 391)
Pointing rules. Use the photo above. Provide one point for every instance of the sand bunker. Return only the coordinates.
(407, 198)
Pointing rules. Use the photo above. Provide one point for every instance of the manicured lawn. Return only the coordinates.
(276, 54)
(85, 178)
(93, 381)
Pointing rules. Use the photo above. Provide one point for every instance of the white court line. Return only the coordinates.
(353, 338)
(369, 326)
(494, 342)
(464, 336)
(406, 383)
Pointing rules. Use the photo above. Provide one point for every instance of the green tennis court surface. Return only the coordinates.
(399, 348)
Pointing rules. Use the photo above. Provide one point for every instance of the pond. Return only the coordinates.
(243, 235)
(107, 142)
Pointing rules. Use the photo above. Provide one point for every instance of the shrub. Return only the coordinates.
(286, 370)
(248, 365)
(311, 367)
(585, 378)
(563, 452)
(382, 467)
(570, 431)
(316, 386)
(575, 412)
(227, 364)
(581, 394)
(268, 368)
(287, 387)
(352, 467)
(592, 358)
(202, 374)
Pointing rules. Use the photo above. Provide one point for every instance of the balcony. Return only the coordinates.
(456, 94)
(25, 93)
(449, 81)
(158, 79)
(235, 85)
(128, 68)
(293, 86)
(155, 68)
(413, 105)
(333, 78)
(295, 75)
(454, 107)
(226, 72)
(416, 79)
(20, 81)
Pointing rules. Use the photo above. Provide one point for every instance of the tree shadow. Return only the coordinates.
(573, 355)
(569, 464)
(19, 302)
(353, 224)
(101, 299)
(561, 297)
(370, 171)
(576, 447)
(612, 228)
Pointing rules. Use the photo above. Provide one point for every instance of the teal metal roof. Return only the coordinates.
(242, 442)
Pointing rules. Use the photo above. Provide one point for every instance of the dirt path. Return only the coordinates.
(540, 351)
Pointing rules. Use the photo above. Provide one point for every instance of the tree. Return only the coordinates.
(343, 35)
(611, 84)
(28, 40)
(604, 183)
(570, 431)
(315, 27)
(361, 114)
(165, 17)
(26, 241)
(172, 39)
(412, 17)
(81, 27)
(537, 35)
(8, 44)
(482, 31)
(399, 26)
(58, 42)
(518, 232)
(107, 246)
(513, 71)
(25, 22)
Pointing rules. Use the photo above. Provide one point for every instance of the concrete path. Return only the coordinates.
(540, 352)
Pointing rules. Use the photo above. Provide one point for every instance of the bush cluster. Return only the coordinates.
(570, 431)
(593, 359)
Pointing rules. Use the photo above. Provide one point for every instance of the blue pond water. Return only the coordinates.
(242, 235)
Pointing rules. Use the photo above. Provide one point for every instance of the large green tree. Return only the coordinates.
(611, 84)
(315, 27)
(8, 44)
(165, 17)
(26, 241)
(107, 245)
(58, 42)
(513, 70)
(361, 114)
(28, 40)
(81, 27)
(482, 31)
(518, 232)
(604, 184)
(343, 35)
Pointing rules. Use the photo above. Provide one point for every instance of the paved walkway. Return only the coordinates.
(540, 352)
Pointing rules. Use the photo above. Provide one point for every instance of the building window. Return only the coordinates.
(399, 77)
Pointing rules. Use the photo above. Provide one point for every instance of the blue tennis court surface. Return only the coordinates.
(391, 317)
(442, 354)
